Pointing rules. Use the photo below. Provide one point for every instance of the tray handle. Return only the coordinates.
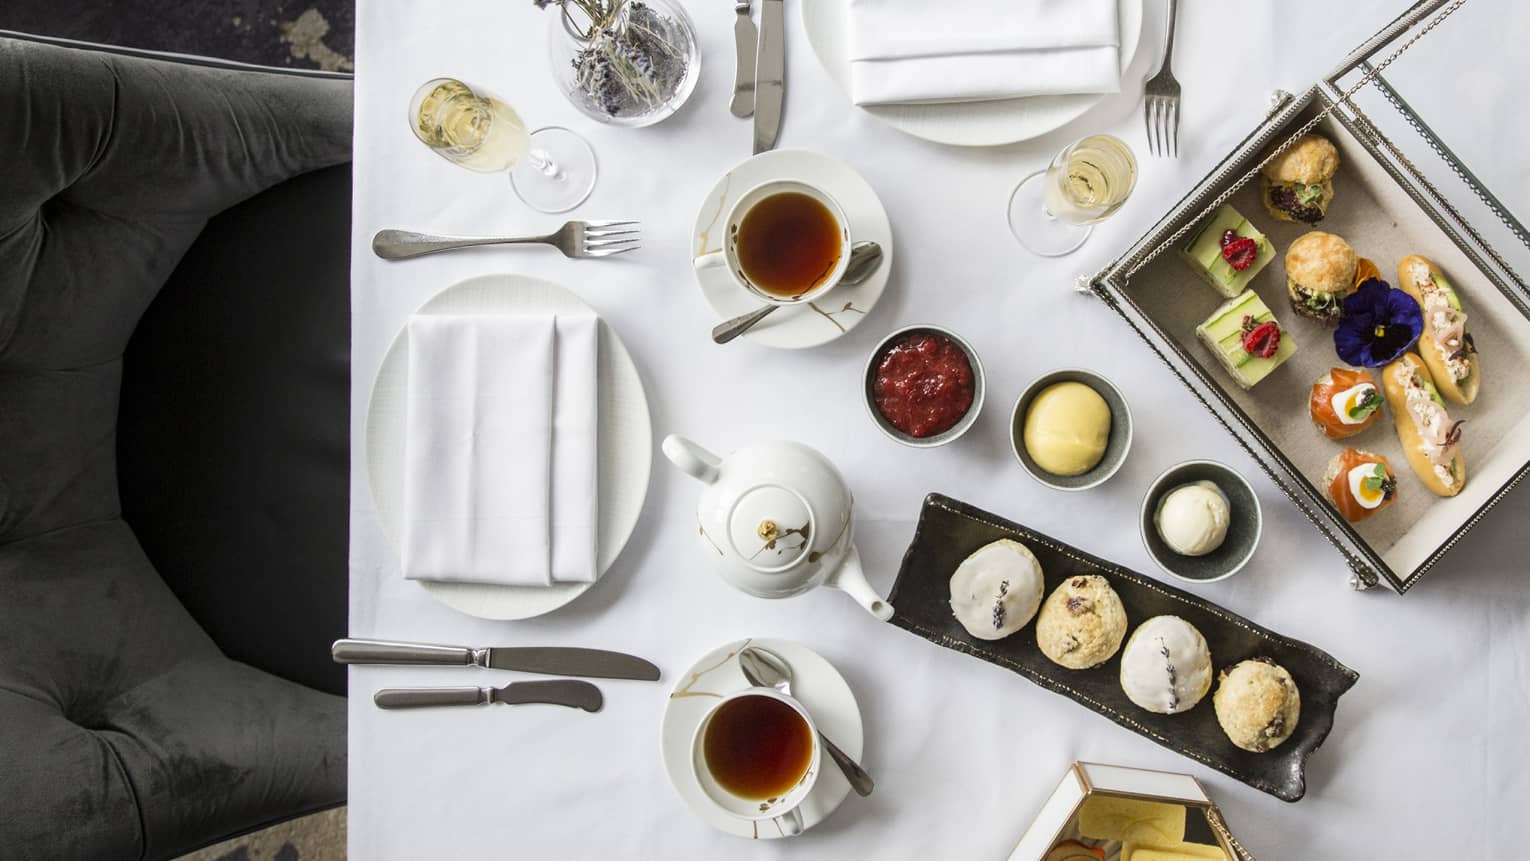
(1416, 13)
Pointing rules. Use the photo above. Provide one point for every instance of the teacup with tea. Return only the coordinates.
(784, 241)
(756, 757)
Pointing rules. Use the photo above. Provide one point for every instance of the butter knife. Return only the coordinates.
(560, 692)
(770, 75)
(744, 36)
(547, 660)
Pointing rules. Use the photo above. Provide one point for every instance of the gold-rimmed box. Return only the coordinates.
(1115, 813)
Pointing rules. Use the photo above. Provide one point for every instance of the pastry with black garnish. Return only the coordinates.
(1297, 185)
(1320, 272)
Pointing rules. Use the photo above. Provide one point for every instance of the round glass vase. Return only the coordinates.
(633, 70)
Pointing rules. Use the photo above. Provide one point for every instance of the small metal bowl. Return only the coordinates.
(1244, 525)
(1116, 446)
(950, 433)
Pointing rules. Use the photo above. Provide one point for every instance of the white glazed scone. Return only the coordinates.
(997, 589)
(1082, 623)
(1257, 704)
(1166, 666)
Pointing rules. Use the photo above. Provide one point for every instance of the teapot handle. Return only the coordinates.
(691, 458)
(850, 578)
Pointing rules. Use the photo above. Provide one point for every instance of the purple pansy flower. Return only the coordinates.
(1379, 324)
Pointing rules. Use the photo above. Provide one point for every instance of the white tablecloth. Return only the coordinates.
(1428, 756)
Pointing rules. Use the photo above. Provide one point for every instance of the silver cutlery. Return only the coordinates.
(766, 669)
(745, 37)
(574, 239)
(546, 660)
(1160, 105)
(770, 75)
(560, 692)
(864, 259)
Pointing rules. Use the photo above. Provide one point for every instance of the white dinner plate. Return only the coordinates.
(835, 312)
(815, 683)
(961, 123)
(625, 441)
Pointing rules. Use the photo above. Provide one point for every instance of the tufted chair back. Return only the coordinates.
(125, 729)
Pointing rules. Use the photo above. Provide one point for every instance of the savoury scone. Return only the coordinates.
(1297, 185)
(1082, 623)
(1320, 272)
(997, 589)
(1166, 666)
(1257, 704)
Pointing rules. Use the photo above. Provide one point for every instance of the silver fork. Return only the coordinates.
(1160, 105)
(574, 239)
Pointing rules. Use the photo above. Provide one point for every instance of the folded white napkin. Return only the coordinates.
(913, 51)
(499, 409)
(574, 450)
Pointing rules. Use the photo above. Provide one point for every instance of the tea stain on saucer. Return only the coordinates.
(685, 690)
(829, 315)
(706, 232)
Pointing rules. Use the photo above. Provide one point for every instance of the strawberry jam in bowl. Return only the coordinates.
(924, 386)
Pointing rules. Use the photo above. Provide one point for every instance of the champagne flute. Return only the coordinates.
(551, 169)
(1053, 211)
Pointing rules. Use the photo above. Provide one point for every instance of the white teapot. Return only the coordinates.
(776, 518)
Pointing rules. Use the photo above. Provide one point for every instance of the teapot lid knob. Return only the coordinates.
(771, 527)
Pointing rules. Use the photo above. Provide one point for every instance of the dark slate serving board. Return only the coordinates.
(949, 530)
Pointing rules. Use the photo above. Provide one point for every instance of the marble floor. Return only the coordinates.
(309, 34)
(318, 837)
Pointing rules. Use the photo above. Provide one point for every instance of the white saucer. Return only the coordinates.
(625, 442)
(962, 123)
(815, 683)
(830, 315)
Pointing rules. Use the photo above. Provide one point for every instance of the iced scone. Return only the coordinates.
(1166, 667)
(997, 589)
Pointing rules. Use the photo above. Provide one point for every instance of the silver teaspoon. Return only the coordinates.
(864, 259)
(767, 670)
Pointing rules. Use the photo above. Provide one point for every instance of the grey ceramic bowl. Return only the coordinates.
(1244, 526)
(1116, 447)
(950, 433)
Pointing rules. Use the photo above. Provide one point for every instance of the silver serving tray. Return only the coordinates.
(1387, 206)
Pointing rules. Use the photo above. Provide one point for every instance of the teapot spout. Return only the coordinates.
(850, 578)
(691, 458)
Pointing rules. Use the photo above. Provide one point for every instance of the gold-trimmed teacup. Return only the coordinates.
(784, 810)
(728, 256)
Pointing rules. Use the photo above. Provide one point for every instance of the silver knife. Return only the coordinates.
(744, 36)
(770, 75)
(547, 660)
(560, 692)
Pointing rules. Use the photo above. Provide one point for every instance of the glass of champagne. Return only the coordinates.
(1053, 211)
(551, 169)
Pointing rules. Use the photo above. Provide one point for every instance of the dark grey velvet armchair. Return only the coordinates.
(173, 448)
